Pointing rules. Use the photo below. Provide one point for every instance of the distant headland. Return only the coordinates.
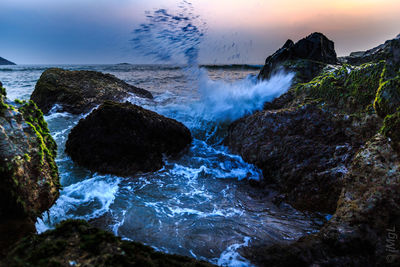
(4, 61)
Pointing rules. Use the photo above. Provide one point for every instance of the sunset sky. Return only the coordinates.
(98, 31)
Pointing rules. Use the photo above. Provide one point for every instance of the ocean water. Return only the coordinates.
(200, 205)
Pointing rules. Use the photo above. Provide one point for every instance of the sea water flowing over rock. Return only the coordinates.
(199, 205)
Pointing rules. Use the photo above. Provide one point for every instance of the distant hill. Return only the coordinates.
(4, 61)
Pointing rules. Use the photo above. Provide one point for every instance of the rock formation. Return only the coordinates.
(4, 61)
(80, 91)
(122, 139)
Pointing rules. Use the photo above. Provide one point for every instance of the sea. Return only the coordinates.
(200, 205)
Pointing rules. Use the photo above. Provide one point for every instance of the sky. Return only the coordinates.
(238, 31)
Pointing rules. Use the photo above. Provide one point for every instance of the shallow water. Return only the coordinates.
(200, 204)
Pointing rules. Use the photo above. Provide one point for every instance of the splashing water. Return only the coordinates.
(166, 36)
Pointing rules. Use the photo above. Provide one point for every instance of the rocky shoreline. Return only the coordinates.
(330, 144)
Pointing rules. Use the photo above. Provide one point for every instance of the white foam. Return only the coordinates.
(230, 257)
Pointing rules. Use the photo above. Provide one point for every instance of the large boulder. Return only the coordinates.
(29, 176)
(76, 243)
(80, 91)
(364, 230)
(122, 139)
(306, 151)
(306, 58)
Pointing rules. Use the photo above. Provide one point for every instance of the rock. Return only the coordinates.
(391, 129)
(4, 61)
(387, 99)
(364, 230)
(389, 51)
(76, 243)
(29, 176)
(306, 58)
(122, 139)
(305, 151)
(80, 91)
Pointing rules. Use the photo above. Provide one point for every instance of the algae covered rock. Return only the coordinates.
(306, 58)
(76, 243)
(365, 227)
(80, 91)
(122, 139)
(29, 176)
(388, 97)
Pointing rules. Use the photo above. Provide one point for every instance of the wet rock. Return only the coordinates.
(29, 176)
(80, 91)
(306, 58)
(76, 243)
(306, 151)
(365, 227)
(122, 139)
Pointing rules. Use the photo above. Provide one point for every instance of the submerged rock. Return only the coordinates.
(364, 229)
(122, 139)
(29, 176)
(76, 243)
(80, 91)
(306, 58)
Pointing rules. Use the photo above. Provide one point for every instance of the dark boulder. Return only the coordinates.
(76, 243)
(305, 151)
(364, 230)
(306, 58)
(80, 91)
(122, 139)
(29, 176)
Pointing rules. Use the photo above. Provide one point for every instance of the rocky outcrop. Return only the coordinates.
(122, 139)
(364, 230)
(76, 243)
(306, 58)
(80, 91)
(4, 61)
(389, 51)
(29, 177)
(306, 151)
(305, 142)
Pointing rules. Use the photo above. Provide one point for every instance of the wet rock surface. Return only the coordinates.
(76, 243)
(79, 91)
(362, 231)
(123, 139)
(306, 58)
(29, 177)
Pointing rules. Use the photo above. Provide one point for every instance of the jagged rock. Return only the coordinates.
(29, 176)
(364, 230)
(305, 151)
(80, 91)
(76, 243)
(306, 58)
(388, 97)
(389, 51)
(4, 61)
(122, 139)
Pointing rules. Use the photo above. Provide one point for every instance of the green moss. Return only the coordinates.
(47, 146)
(387, 98)
(351, 89)
(391, 129)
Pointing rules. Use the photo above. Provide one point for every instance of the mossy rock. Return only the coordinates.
(75, 242)
(348, 89)
(387, 99)
(391, 129)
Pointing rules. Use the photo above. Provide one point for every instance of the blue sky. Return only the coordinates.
(98, 31)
